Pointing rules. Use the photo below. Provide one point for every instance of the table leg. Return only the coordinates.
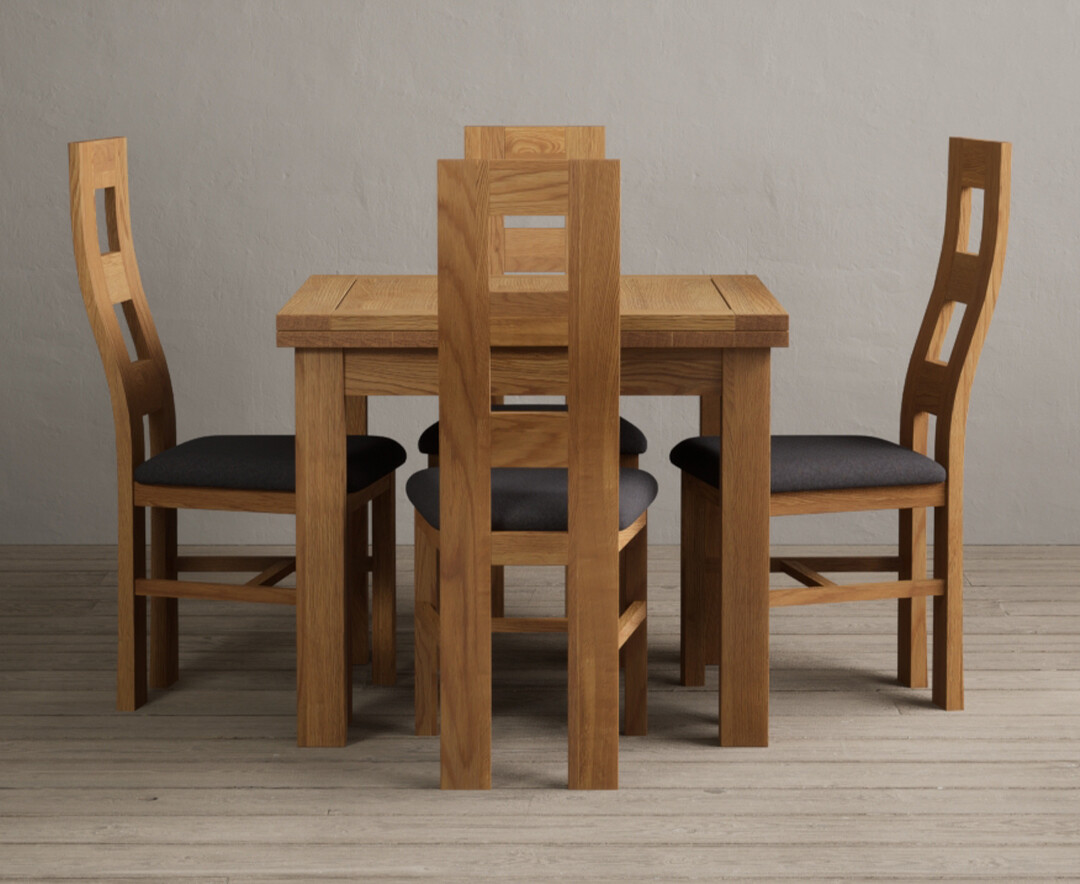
(323, 673)
(705, 522)
(744, 549)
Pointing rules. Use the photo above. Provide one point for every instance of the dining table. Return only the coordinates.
(707, 336)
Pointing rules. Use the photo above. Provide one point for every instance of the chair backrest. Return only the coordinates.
(530, 249)
(942, 386)
(480, 316)
(138, 386)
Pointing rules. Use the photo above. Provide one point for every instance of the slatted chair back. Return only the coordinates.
(139, 386)
(942, 387)
(472, 323)
(530, 249)
(577, 311)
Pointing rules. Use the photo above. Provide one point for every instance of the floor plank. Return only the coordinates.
(863, 780)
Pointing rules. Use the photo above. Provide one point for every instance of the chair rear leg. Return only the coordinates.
(626, 462)
(164, 612)
(426, 632)
(635, 651)
(911, 633)
(357, 564)
(623, 599)
(948, 684)
(383, 589)
(498, 591)
(131, 609)
(692, 568)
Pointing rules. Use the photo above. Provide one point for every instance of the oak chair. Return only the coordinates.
(534, 486)
(531, 250)
(828, 474)
(235, 473)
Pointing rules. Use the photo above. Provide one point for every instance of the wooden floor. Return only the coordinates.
(863, 780)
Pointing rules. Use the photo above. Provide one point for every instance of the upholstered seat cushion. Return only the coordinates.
(819, 463)
(533, 499)
(261, 463)
(631, 439)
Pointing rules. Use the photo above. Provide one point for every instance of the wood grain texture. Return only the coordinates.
(672, 330)
(522, 187)
(754, 305)
(225, 563)
(911, 613)
(524, 249)
(317, 294)
(529, 439)
(853, 500)
(658, 311)
(140, 387)
(226, 499)
(323, 671)
(855, 592)
(207, 784)
(592, 400)
(227, 592)
(383, 589)
(523, 625)
(468, 298)
(692, 630)
(535, 249)
(802, 572)
(633, 636)
(465, 477)
(356, 568)
(937, 384)
(425, 629)
(164, 612)
(521, 371)
(744, 549)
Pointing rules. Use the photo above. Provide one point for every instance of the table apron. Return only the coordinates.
(650, 371)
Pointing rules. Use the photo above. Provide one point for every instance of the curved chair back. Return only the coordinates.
(139, 386)
(942, 387)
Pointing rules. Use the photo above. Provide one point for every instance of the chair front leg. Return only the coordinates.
(383, 588)
(498, 591)
(426, 632)
(164, 612)
(911, 634)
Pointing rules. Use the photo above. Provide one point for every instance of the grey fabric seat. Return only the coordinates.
(533, 499)
(631, 440)
(819, 463)
(262, 463)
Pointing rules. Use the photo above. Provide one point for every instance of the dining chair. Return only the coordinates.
(535, 487)
(239, 473)
(829, 474)
(515, 250)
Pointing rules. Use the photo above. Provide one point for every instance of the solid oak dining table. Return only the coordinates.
(704, 336)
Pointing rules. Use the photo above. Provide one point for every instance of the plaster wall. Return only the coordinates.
(803, 142)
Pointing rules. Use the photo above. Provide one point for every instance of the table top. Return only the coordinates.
(351, 311)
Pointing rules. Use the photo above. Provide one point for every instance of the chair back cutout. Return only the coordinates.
(530, 249)
(942, 387)
(139, 387)
(534, 322)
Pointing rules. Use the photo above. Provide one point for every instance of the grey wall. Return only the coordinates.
(803, 142)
